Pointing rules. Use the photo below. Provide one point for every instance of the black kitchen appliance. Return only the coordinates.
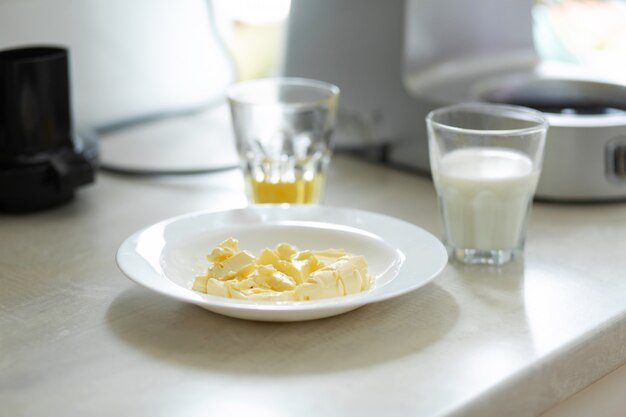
(40, 162)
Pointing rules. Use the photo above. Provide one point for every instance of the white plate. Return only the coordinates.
(167, 256)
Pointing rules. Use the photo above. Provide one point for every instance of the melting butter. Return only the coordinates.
(284, 273)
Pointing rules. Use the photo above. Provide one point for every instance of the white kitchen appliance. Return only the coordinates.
(395, 61)
(147, 75)
(585, 156)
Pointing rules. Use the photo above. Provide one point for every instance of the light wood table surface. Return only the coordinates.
(79, 339)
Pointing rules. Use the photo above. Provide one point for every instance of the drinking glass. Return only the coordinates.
(485, 161)
(283, 129)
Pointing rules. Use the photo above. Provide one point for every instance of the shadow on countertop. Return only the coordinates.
(188, 335)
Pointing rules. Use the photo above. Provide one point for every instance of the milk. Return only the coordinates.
(484, 196)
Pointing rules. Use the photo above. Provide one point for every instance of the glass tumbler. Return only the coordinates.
(283, 129)
(486, 161)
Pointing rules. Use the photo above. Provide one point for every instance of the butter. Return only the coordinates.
(282, 274)
(239, 264)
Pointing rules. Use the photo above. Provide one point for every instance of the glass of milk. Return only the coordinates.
(485, 161)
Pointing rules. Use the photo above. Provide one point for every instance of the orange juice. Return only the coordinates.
(299, 191)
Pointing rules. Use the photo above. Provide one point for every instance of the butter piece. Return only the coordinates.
(224, 250)
(217, 287)
(273, 279)
(285, 251)
(199, 284)
(352, 272)
(233, 265)
(324, 283)
(291, 270)
(267, 257)
(328, 257)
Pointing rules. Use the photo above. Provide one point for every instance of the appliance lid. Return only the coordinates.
(566, 102)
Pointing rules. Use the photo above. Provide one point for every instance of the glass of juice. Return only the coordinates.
(283, 129)
(485, 161)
